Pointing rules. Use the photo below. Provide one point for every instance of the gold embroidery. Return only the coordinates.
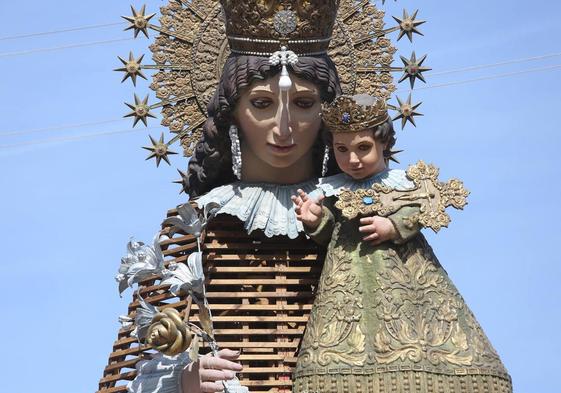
(334, 334)
(419, 314)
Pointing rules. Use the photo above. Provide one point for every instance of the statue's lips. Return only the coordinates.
(281, 149)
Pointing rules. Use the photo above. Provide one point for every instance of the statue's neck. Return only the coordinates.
(256, 170)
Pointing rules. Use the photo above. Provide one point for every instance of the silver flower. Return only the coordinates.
(125, 321)
(144, 315)
(189, 220)
(140, 262)
(187, 278)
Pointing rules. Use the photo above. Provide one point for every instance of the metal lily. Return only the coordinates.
(140, 262)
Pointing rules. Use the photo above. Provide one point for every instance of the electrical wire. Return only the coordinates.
(483, 78)
(57, 128)
(74, 138)
(71, 29)
(93, 43)
(78, 137)
(502, 63)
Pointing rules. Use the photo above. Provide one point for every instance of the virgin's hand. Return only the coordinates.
(378, 230)
(207, 374)
(308, 211)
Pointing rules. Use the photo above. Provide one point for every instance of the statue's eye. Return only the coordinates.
(364, 147)
(261, 103)
(304, 103)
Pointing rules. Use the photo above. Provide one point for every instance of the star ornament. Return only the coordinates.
(131, 68)
(139, 21)
(407, 112)
(140, 110)
(159, 150)
(183, 182)
(408, 25)
(389, 155)
(413, 69)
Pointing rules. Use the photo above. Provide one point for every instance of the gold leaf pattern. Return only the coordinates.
(389, 308)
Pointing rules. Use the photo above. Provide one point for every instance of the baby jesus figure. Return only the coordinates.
(385, 314)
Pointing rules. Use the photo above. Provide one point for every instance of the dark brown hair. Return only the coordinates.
(211, 164)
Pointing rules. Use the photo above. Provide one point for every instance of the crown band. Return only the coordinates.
(356, 127)
(354, 113)
(266, 47)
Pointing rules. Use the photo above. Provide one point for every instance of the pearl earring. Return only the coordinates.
(325, 161)
(236, 152)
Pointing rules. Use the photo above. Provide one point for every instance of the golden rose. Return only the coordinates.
(168, 333)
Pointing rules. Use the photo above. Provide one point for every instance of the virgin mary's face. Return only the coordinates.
(278, 130)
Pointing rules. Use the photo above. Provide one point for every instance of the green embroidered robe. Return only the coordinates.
(388, 319)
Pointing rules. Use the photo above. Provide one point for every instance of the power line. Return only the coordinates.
(78, 137)
(57, 128)
(71, 29)
(74, 138)
(507, 62)
(483, 78)
(28, 52)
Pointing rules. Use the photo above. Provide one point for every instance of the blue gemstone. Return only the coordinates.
(368, 200)
(346, 118)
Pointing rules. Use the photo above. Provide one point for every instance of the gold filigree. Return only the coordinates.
(334, 334)
(431, 195)
(419, 313)
(192, 47)
(354, 113)
(258, 27)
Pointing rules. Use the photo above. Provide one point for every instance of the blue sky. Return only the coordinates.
(67, 209)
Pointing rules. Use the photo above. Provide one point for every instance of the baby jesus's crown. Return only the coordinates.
(354, 113)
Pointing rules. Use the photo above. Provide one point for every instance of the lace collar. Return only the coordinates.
(263, 206)
(395, 178)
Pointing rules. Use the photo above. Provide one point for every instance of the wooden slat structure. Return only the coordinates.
(260, 292)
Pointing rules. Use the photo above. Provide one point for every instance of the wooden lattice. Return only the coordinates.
(260, 291)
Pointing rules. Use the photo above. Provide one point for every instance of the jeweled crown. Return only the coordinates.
(261, 27)
(354, 113)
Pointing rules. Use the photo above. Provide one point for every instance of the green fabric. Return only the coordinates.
(382, 309)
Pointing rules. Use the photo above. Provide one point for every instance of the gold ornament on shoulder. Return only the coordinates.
(429, 194)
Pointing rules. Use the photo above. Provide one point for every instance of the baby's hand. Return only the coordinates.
(308, 211)
(379, 229)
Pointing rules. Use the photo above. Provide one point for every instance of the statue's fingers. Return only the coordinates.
(371, 228)
(209, 375)
(228, 354)
(211, 387)
(371, 237)
(303, 195)
(221, 362)
(296, 200)
(367, 220)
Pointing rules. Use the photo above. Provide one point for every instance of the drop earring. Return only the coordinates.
(236, 152)
(325, 161)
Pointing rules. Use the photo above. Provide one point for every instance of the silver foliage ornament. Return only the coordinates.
(141, 262)
(125, 321)
(189, 221)
(189, 279)
(144, 316)
(186, 278)
(234, 386)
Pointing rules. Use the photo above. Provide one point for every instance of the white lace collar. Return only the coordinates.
(395, 178)
(263, 206)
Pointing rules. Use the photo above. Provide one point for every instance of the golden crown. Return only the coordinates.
(261, 27)
(354, 113)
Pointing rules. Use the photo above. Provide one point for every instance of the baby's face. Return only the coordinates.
(358, 154)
